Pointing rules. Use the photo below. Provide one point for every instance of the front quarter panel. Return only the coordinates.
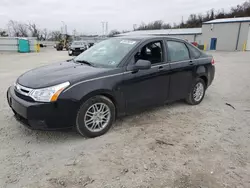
(107, 84)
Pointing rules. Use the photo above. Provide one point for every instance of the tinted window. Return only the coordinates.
(195, 53)
(151, 52)
(78, 43)
(177, 51)
(107, 53)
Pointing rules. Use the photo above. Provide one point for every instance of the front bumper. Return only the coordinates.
(42, 116)
(75, 52)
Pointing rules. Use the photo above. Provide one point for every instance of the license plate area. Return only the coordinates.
(17, 107)
(9, 99)
(21, 119)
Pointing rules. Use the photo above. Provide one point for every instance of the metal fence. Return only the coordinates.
(10, 44)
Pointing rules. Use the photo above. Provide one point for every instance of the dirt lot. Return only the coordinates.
(174, 145)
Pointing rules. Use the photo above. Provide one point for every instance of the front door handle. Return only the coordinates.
(160, 67)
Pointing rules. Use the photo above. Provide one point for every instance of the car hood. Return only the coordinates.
(58, 73)
(77, 46)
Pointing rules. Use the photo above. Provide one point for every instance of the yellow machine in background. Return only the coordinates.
(37, 47)
(244, 46)
(63, 43)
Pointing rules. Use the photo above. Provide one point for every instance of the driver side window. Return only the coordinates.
(152, 52)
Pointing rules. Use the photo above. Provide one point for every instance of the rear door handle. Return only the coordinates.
(191, 63)
(160, 67)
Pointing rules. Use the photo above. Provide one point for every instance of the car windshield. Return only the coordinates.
(107, 53)
(78, 43)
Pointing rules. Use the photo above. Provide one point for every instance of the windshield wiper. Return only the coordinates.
(70, 60)
(85, 62)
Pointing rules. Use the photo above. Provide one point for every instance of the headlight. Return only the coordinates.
(49, 94)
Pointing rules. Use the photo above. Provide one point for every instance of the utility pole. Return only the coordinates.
(106, 28)
(182, 22)
(64, 27)
(65, 36)
(134, 26)
(103, 25)
(74, 34)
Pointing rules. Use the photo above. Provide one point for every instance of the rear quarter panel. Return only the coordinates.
(205, 68)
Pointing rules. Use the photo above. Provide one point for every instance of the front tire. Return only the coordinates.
(95, 117)
(197, 92)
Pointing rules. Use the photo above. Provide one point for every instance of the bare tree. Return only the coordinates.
(18, 29)
(196, 20)
(13, 28)
(23, 29)
(56, 35)
(158, 24)
(113, 33)
(45, 34)
(3, 33)
(35, 32)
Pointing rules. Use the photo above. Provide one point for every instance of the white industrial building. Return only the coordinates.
(190, 34)
(227, 34)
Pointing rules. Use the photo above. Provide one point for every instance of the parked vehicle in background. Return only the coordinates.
(113, 78)
(42, 45)
(77, 47)
(61, 45)
(91, 44)
(195, 44)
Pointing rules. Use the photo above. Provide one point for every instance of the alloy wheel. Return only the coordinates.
(97, 117)
(198, 91)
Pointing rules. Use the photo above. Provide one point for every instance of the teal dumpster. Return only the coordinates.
(23, 46)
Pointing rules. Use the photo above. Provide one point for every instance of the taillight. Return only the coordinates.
(213, 62)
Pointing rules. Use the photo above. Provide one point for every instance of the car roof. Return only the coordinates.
(82, 41)
(146, 37)
(143, 38)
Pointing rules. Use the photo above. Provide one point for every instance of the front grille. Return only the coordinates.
(23, 92)
(24, 97)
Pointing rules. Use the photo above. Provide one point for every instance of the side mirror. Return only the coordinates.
(142, 64)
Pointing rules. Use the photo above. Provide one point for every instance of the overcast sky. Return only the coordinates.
(86, 15)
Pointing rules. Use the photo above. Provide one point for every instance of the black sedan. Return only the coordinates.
(113, 78)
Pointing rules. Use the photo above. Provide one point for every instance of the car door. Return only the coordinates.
(182, 69)
(147, 87)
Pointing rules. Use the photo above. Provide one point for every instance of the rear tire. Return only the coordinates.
(95, 117)
(197, 92)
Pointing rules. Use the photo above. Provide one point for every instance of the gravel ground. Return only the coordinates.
(175, 145)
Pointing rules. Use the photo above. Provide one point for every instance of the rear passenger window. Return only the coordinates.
(177, 51)
(195, 53)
